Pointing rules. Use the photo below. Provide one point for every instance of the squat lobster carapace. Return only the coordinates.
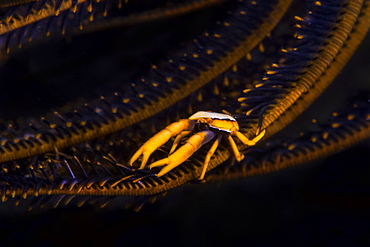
(207, 123)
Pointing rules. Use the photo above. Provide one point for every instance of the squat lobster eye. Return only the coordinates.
(225, 125)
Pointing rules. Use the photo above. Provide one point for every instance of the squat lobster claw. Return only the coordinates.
(207, 123)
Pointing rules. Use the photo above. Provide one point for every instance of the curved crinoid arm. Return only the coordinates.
(161, 138)
(184, 152)
(307, 66)
(339, 132)
(8, 3)
(193, 65)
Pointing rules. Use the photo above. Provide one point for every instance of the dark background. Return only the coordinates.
(326, 203)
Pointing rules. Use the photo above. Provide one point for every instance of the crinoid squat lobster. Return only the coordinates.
(207, 126)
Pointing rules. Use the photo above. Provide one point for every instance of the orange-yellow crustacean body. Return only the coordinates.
(220, 121)
(225, 125)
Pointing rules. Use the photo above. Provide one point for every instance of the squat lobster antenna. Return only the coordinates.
(226, 112)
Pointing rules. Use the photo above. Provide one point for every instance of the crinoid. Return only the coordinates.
(86, 83)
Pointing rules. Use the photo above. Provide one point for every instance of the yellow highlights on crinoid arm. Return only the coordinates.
(207, 123)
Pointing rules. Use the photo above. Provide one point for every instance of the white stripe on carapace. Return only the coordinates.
(212, 115)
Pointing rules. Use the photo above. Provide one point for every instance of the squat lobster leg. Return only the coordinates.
(161, 138)
(184, 152)
(248, 142)
(211, 151)
(178, 139)
(238, 156)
